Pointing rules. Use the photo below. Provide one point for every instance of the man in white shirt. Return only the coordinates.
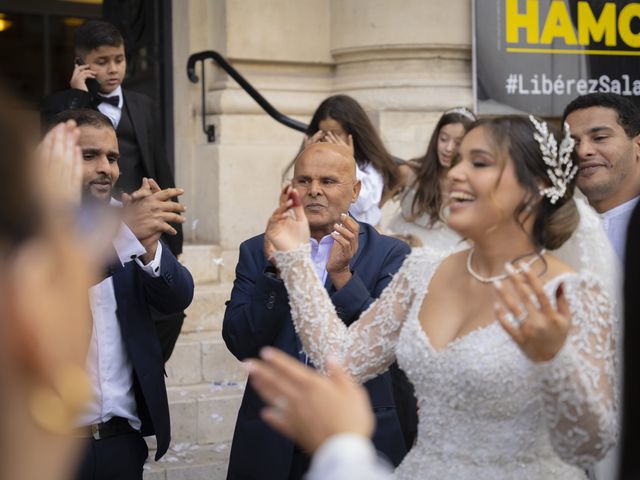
(96, 83)
(606, 128)
(125, 361)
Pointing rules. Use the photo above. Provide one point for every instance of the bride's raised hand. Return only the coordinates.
(540, 330)
(288, 227)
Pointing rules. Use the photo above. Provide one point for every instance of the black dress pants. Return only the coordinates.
(120, 457)
(300, 463)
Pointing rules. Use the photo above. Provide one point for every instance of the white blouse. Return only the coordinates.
(367, 208)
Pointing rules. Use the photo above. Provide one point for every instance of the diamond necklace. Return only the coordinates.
(502, 276)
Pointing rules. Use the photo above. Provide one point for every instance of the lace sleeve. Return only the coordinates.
(579, 385)
(367, 346)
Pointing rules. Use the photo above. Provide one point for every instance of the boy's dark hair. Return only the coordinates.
(96, 33)
(82, 116)
(628, 112)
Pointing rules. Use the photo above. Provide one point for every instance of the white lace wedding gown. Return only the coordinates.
(438, 236)
(486, 410)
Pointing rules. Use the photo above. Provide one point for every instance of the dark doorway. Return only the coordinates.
(146, 27)
(36, 44)
(36, 48)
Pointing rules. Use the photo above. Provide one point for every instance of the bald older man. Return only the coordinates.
(355, 263)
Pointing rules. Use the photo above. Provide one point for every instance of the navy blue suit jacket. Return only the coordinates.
(258, 314)
(135, 291)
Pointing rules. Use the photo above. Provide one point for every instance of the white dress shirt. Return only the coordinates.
(108, 365)
(320, 252)
(615, 223)
(367, 208)
(112, 112)
(348, 457)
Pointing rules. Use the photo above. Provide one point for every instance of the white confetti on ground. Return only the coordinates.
(217, 385)
(217, 418)
(179, 447)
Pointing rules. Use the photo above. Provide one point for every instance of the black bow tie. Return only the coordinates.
(115, 100)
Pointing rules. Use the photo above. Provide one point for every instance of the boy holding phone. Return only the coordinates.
(96, 83)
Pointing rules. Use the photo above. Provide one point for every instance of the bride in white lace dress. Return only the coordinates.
(514, 370)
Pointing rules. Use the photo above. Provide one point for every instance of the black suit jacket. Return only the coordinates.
(135, 291)
(258, 314)
(145, 120)
(629, 465)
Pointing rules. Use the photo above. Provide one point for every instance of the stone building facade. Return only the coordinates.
(405, 61)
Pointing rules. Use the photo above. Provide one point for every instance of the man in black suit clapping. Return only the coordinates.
(125, 361)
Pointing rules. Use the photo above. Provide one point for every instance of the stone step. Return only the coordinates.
(202, 358)
(204, 414)
(210, 263)
(207, 308)
(203, 261)
(186, 461)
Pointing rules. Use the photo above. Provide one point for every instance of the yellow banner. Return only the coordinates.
(527, 31)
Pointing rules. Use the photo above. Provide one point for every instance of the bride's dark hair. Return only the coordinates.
(512, 135)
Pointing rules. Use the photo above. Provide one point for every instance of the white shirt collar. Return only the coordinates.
(117, 91)
(327, 239)
(620, 209)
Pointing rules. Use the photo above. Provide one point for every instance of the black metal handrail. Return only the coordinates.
(246, 86)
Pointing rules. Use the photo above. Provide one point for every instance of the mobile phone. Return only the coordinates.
(92, 84)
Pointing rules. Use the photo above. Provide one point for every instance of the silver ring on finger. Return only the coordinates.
(522, 317)
(280, 403)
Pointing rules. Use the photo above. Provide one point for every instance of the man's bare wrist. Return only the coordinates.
(151, 252)
(340, 271)
(340, 278)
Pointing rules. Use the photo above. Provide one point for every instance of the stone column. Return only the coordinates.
(282, 48)
(405, 61)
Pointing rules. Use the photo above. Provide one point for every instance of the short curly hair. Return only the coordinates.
(628, 112)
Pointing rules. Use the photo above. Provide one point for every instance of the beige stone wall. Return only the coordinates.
(404, 60)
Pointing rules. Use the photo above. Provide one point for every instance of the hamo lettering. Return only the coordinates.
(611, 26)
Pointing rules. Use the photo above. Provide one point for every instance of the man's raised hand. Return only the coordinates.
(288, 227)
(345, 246)
(149, 212)
(268, 247)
